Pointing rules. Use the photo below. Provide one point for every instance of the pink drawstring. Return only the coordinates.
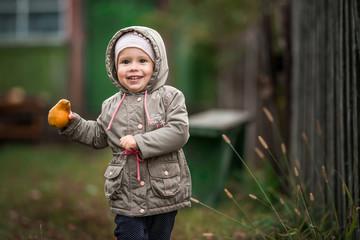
(133, 151)
(146, 111)
(112, 119)
(139, 160)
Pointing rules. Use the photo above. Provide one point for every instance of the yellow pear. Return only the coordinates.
(59, 115)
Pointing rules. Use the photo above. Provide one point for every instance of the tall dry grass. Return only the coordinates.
(296, 210)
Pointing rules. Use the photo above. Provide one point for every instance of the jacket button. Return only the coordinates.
(110, 173)
(166, 173)
(139, 99)
(140, 126)
(142, 211)
(142, 183)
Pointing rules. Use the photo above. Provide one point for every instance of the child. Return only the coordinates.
(146, 125)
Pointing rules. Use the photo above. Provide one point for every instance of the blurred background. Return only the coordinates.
(285, 70)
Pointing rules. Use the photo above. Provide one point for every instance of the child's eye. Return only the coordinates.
(125, 62)
(143, 60)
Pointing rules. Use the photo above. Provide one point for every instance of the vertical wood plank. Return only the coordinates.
(355, 31)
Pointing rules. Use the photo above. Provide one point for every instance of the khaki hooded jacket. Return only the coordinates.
(156, 178)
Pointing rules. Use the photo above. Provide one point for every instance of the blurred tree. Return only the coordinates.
(204, 39)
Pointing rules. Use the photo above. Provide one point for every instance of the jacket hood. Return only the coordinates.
(161, 68)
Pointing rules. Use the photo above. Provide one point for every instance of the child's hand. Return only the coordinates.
(128, 142)
(71, 116)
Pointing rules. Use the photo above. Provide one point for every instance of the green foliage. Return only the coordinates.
(214, 22)
(203, 38)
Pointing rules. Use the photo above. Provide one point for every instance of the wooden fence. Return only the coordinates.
(325, 98)
(319, 74)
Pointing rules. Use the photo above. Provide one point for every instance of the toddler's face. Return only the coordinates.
(134, 69)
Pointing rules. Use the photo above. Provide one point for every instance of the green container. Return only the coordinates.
(208, 156)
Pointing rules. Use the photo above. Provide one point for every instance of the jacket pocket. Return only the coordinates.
(165, 178)
(113, 175)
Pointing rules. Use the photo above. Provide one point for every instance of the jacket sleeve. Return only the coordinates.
(172, 136)
(87, 132)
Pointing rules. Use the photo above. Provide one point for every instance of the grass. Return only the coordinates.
(296, 213)
(56, 192)
(226, 220)
(53, 192)
(241, 202)
(301, 217)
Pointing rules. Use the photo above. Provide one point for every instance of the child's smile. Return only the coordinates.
(134, 78)
(134, 69)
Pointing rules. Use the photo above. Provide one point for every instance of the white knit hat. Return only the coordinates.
(134, 39)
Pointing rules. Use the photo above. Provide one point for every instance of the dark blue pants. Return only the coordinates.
(156, 227)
